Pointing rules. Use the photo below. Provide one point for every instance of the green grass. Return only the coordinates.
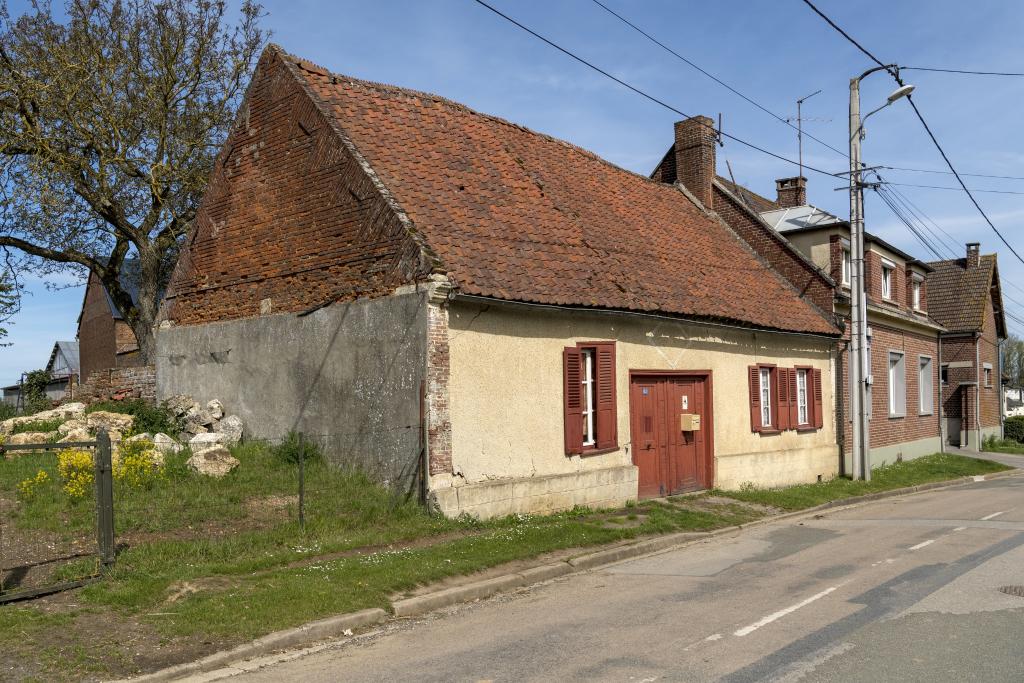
(1003, 446)
(937, 467)
(38, 426)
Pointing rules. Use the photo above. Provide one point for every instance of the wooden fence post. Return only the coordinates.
(104, 499)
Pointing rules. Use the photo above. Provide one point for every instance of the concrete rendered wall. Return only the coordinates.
(506, 394)
(349, 373)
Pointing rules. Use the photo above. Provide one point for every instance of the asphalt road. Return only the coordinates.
(905, 589)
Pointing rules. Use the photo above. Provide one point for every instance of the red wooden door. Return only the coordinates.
(669, 459)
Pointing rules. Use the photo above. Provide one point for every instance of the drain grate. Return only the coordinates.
(1012, 590)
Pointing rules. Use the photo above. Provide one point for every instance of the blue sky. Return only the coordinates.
(774, 52)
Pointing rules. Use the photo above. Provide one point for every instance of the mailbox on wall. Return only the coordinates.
(689, 422)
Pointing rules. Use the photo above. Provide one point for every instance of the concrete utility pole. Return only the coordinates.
(860, 376)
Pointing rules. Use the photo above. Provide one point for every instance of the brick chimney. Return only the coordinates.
(973, 254)
(791, 192)
(695, 156)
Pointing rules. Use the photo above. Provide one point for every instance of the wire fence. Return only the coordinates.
(289, 491)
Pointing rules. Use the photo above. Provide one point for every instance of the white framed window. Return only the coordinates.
(887, 271)
(987, 367)
(847, 266)
(802, 415)
(766, 396)
(897, 385)
(925, 386)
(915, 296)
(588, 397)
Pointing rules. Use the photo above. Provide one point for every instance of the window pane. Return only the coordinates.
(766, 398)
(588, 397)
(801, 396)
(897, 385)
(925, 386)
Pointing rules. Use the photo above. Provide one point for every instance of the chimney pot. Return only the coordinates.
(695, 156)
(973, 254)
(791, 192)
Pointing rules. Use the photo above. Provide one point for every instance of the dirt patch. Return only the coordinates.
(716, 504)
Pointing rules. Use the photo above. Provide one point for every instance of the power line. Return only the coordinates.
(920, 117)
(973, 175)
(898, 212)
(962, 71)
(640, 92)
(954, 189)
(722, 83)
(952, 245)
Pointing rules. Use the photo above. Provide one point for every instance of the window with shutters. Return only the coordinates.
(785, 398)
(766, 397)
(591, 418)
(802, 418)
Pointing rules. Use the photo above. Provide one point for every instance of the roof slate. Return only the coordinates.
(957, 294)
(518, 215)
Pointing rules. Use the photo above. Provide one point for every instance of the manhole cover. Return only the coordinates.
(1013, 590)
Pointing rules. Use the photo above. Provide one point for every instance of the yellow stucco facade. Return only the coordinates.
(506, 410)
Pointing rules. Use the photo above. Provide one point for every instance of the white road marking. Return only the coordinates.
(922, 544)
(959, 528)
(783, 612)
(993, 515)
(979, 477)
(717, 636)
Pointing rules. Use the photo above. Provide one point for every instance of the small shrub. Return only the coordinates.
(138, 464)
(76, 472)
(148, 417)
(38, 426)
(28, 489)
(7, 411)
(1014, 428)
(34, 391)
(294, 445)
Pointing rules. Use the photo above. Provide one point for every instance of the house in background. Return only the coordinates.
(63, 366)
(451, 300)
(965, 295)
(904, 348)
(105, 339)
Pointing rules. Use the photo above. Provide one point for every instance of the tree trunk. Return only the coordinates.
(147, 306)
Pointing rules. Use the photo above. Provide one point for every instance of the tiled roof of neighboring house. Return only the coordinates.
(517, 215)
(755, 201)
(957, 294)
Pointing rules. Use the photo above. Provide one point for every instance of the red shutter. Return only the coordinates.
(572, 400)
(607, 417)
(754, 380)
(782, 399)
(794, 400)
(819, 418)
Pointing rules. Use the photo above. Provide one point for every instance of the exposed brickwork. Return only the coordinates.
(439, 434)
(768, 244)
(119, 383)
(791, 192)
(883, 430)
(290, 219)
(695, 156)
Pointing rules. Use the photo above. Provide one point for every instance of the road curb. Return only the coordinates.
(421, 604)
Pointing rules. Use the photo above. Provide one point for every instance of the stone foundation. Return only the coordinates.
(118, 384)
(606, 487)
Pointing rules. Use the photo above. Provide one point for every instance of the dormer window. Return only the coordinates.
(887, 271)
(915, 292)
(847, 265)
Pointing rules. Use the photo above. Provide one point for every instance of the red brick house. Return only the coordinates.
(509, 322)
(105, 340)
(966, 297)
(810, 247)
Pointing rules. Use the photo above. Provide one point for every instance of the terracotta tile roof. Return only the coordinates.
(517, 215)
(755, 201)
(957, 294)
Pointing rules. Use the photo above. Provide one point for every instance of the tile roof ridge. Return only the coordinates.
(390, 88)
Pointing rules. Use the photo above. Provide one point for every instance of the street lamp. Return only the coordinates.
(861, 379)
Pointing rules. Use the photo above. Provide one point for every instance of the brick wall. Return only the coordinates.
(767, 244)
(96, 334)
(885, 430)
(439, 434)
(989, 353)
(290, 219)
(119, 383)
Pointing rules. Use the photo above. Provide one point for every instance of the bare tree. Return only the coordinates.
(8, 303)
(110, 120)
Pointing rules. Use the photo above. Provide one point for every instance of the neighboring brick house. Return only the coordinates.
(105, 340)
(800, 240)
(965, 296)
(433, 291)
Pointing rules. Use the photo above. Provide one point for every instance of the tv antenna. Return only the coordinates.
(800, 128)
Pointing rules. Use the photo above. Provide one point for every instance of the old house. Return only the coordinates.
(65, 373)
(105, 339)
(966, 297)
(447, 298)
(903, 344)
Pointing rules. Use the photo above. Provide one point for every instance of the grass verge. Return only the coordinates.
(927, 469)
(1004, 446)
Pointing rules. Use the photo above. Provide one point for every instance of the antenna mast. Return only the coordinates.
(800, 129)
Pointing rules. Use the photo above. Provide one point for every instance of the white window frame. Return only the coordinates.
(987, 374)
(888, 270)
(925, 371)
(589, 438)
(765, 389)
(846, 267)
(915, 291)
(802, 413)
(897, 384)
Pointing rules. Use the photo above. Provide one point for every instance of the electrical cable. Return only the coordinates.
(640, 92)
(955, 189)
(962, 71)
